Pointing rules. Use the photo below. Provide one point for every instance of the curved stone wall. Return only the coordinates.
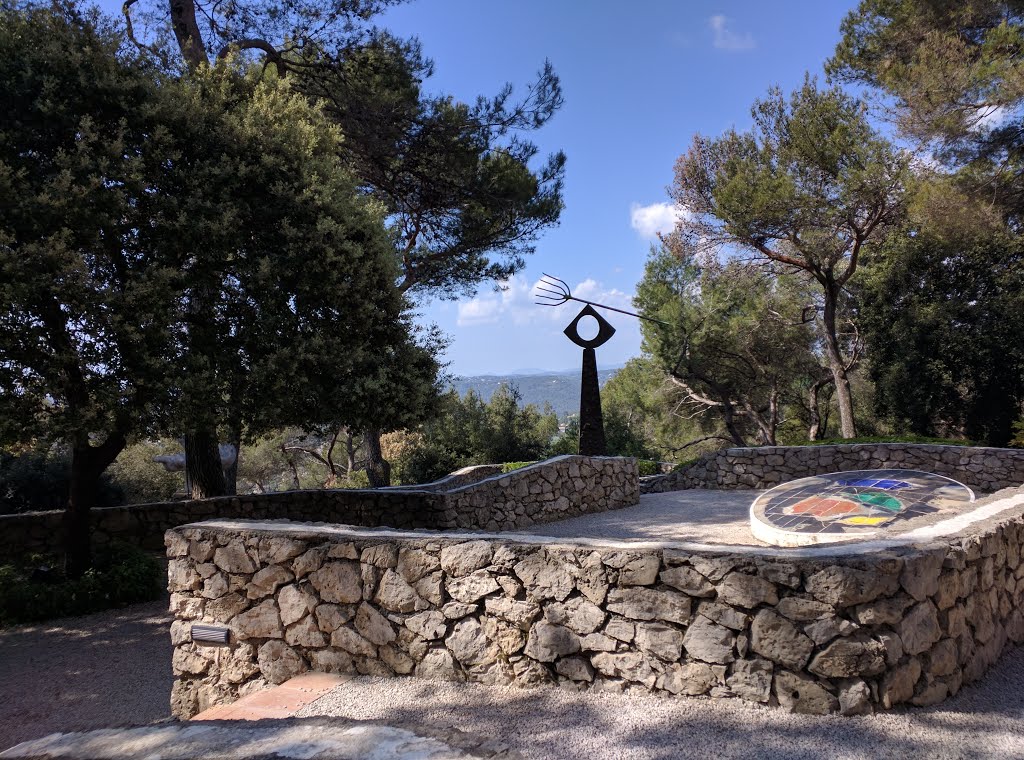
(984, 469)
(554, 489)
(849, 629)
(457, 479)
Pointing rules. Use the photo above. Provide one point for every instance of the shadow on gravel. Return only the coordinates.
(983, 721)
(98, 671)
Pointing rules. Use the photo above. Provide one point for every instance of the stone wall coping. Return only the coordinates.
(557, 488)
(396, 491)
(991, 512)
(895, 444)
(985, 469)
(530, 468)
(474, 473)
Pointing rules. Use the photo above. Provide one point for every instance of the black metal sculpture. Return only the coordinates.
(554, 292)
(592, 442)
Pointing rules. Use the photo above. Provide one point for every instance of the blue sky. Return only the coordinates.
(639, 81)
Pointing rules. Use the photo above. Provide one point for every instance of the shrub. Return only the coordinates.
(38, 480)
(30, 590)
(648, 467)
(685, 463)
(510, 466)
(357, 479)
(142, 480)
(1017, 441)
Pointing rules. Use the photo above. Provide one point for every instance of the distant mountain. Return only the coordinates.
(537, 387)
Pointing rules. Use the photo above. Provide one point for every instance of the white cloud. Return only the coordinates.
(726, 39)
(648, 221)
(993, 117)
(478, 311)
(516, 304)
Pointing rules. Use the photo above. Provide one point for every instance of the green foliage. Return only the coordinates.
(39, 480)
(685, 463)
(512, 466)
(457, 180)
(33, 481)
(1018, 434)
(467, 205)
(955, 75)
(305, 298)
(566, 442)
(948, 64)
(943, 317)
(139, 478)
(733, 343)
(34, 590)
(357, 479)
(806, 189)
(648, 467)
(638, 404)
(80, 157)
(943, 307)
(178, 254)
(469, 431)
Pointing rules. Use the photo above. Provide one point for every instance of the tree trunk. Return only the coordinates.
(87, 465)
(202, 461)
(187, 34)
(350, 453)
(730, 425)
(378, 469)
(815, 429)
(765, 427)
(231, 471)
(844, 396)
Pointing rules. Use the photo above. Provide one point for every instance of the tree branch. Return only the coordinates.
(273, 54)
(130, 29)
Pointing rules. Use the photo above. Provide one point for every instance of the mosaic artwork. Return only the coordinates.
(858, 504)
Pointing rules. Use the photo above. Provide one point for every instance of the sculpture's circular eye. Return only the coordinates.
(588, 328)
(604, 330)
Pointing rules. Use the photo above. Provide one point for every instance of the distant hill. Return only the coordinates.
(560, 389)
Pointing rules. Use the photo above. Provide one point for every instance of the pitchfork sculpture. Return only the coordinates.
(552, 291)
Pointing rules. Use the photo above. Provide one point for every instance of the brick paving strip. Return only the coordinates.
(279, 701)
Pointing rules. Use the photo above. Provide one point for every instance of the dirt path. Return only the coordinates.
(98, 671)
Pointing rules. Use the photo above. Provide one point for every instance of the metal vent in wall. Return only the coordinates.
(210, 634)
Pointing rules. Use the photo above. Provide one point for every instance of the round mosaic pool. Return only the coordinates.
(860, 504)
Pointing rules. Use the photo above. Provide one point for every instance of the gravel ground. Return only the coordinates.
(113, 669)
(985, 720)
(98, 671)
(704, 516)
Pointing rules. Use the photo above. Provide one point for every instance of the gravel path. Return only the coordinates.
(985, 720)
(113, 669)
(698, 515)
(97, 671)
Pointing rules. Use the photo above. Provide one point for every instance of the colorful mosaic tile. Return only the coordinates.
(860, 503)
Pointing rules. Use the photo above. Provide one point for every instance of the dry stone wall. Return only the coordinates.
(554, 489)
(457, 479)
(809, 630)
(984, 469)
